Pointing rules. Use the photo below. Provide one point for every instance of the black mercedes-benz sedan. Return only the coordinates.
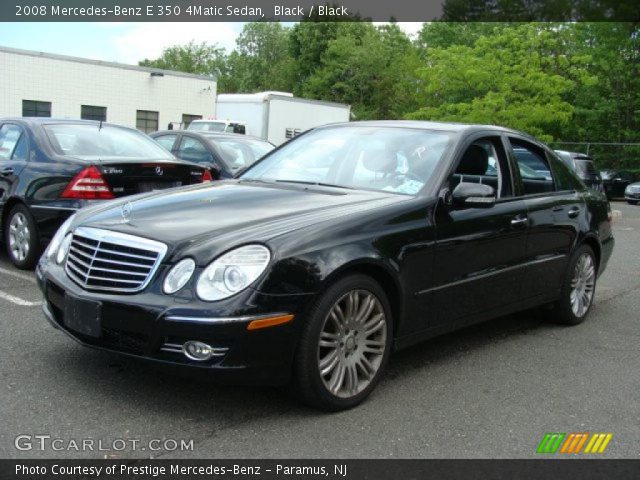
(50, 168)
(347, 242)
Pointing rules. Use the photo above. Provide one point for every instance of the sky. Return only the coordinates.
(124, 42)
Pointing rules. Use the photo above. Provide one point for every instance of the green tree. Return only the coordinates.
(261, 59)
(196, 58)
(520, 77)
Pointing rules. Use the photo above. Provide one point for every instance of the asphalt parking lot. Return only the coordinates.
(490, 391)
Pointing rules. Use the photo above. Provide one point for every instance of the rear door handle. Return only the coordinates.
(519, 221)
(7, 171)
(574, 212)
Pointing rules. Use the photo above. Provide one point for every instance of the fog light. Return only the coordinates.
(198, 351)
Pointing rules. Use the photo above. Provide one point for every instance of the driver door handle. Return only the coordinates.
(574, 212)
(519, 221)
(7, 171)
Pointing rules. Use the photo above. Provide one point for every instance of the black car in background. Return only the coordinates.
(584, 166)
(346, 242)
(615, 182)
(50, 168)
(225, 154)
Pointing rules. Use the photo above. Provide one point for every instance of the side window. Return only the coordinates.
(193, 150)
(484, 161)
(13, 144)
(564, 175)
(533, 166)
(166, 141)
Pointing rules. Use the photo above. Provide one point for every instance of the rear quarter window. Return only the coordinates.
(565, 177)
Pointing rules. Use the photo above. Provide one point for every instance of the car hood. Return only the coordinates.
(207, 219)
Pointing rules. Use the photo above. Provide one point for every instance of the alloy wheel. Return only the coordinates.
(352, 343)
(583, 285)
(19, 237)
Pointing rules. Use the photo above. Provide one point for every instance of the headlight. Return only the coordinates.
(232, 272)
(178, 276)
(55, 242)
(64, 248)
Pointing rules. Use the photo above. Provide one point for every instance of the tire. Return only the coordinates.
(21, 238)
(344, 346)
(565, 311)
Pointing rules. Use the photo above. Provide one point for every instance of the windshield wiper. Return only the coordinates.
(320, 184)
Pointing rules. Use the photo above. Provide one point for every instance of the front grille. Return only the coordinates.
(105, 260)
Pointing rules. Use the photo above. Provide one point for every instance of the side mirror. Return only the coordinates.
(473, 195)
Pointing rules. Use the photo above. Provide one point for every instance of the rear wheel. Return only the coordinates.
(345, 344)
(578, 288)
(21, 238)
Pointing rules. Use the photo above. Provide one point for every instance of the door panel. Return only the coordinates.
(554, 213)
(14, 151)
(553, 226)
(478, 260)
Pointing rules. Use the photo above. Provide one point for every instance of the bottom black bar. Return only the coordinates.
(582, 469)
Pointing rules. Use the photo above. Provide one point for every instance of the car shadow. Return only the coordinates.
(146, 386)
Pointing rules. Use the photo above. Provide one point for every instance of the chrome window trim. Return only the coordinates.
(126, 240)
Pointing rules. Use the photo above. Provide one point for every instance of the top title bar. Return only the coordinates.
(332, 10)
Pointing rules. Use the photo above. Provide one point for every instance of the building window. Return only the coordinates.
(187, 119)
(33, 108)
(147, 121)
(292, 132)
(90, 112)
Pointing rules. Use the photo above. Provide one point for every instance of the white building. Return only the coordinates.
(48, 85)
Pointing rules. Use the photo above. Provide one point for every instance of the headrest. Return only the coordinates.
(380, 160)
(474, 161)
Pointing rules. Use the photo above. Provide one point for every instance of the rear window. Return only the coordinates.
(585, 166)
(207, 126)
(94, 142)
(240, 154)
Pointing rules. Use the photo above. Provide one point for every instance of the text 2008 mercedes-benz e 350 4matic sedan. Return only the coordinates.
(334, 249)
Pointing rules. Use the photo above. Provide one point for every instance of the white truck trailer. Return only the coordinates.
(278, 116)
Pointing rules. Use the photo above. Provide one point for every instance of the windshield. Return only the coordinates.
(207, 126)
(397, 160)
(240, 154)
(92, 142)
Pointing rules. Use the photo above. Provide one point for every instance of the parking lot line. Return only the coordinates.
(17, 300)
(23, 276)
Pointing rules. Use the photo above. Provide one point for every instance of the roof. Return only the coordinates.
(424, 124)
(88, 61)
(31, 121)
(264, 96)
(210, 135)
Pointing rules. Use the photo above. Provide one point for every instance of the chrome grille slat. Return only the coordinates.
(85, 254)
(113, 252)
(129, 264)
(93, 250)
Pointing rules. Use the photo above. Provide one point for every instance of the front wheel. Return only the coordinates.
(345, 345)
(578, 289)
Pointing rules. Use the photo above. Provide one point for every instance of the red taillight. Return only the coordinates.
(89, 184)
(206, 176)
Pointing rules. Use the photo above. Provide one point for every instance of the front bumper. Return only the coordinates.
(633, 196)
(153, 326)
